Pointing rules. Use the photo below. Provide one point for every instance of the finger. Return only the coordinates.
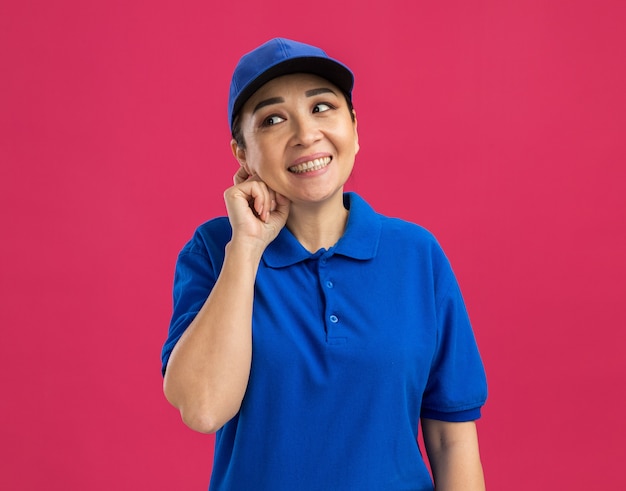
(260, 200)
(271, 202)
(267, 203)
(264, 197)
(280, 213)
(272, 198)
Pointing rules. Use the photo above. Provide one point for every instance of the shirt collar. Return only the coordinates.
(359, 241)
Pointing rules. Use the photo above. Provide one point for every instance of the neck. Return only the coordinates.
(319, 225)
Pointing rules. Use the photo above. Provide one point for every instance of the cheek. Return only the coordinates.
(263, 164)
(351, 140)
(347, 134)
(256, 157)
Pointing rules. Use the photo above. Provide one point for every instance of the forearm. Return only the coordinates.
(208, 370)
(454, 455)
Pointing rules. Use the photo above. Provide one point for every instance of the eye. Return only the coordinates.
(321, 107)
(272, 120)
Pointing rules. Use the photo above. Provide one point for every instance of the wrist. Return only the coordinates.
(245, 249)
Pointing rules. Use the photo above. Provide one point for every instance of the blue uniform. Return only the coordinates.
(351, 346)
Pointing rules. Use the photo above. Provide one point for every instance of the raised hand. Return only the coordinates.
(256, 212)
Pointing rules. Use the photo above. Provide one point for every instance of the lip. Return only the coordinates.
(312, 167)
(308, 158)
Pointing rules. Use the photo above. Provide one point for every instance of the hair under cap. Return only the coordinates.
(279, 57)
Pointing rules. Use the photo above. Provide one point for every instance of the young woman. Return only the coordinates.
(311, 333)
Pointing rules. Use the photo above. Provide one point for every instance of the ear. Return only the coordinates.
(240, 154)
(357, 147)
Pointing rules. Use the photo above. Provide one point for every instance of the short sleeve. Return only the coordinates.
(197, 269)
(457, 386)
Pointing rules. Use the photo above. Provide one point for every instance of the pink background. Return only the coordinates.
(499, 125)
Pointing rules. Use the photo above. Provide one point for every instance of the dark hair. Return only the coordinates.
(237, 133)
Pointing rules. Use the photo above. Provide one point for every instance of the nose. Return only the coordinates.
(306, 130)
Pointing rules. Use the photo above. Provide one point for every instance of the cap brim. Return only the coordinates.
(327, 68)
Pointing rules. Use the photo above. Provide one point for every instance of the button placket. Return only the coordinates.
(332, 319)
(329, 286)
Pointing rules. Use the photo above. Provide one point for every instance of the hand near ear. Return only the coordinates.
(255, 211)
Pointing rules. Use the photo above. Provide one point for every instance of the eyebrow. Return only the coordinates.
(268, 102)
(321, 90)
(278, 100)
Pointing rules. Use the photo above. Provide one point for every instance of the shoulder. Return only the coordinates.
(391, 228)
(399, 247)
(365, 221)
(402, 236)
(209, 239)
(400, 229)
(395, 237)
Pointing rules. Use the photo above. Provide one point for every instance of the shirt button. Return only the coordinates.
(329, 284)
(334, 319)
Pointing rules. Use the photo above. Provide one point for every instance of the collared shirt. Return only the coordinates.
(351, 346)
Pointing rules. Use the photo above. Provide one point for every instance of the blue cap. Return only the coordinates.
(279, 57)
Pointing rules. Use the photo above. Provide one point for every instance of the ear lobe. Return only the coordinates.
(357, 147)
(238, 152)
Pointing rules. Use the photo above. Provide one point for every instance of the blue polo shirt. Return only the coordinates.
(351, 346)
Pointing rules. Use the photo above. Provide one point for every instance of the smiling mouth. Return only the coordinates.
(310, 166)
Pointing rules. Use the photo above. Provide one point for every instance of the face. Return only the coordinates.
(300, 138)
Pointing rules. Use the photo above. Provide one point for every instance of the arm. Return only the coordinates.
(453, 453)
(208, 370)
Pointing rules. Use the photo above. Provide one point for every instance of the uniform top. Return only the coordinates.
(350, 347)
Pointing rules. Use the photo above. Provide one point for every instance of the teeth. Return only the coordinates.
(311, 165)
